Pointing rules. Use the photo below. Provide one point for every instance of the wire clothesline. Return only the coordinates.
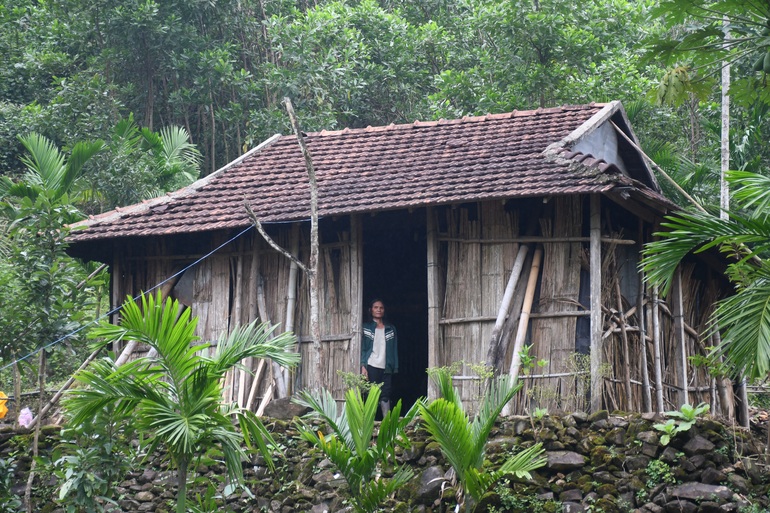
(75, 332)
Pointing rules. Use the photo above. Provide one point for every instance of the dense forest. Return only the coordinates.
(105, 103)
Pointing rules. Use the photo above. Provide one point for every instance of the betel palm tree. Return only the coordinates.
(349, 445)
(51, 179)
(463, 441)
(743, 318)
(175, 398)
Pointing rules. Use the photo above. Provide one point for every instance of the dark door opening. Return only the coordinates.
(394, 262)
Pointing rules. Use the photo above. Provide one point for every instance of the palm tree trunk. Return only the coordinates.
(181, 476)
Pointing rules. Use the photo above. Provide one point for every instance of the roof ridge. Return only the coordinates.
(465, 119)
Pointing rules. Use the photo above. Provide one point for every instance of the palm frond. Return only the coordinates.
(745, 319)
(450, 427)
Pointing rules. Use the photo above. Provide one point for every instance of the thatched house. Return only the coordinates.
(431, 217)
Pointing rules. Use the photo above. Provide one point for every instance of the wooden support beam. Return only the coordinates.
(434, 312)
(596, 302)
(657, 352)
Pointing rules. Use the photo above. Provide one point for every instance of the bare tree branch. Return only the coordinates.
(273, 244)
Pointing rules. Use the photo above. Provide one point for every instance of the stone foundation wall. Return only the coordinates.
(598, 463)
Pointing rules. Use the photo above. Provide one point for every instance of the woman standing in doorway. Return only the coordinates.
(379, 352)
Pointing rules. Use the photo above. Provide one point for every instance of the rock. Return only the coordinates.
(739, 483)
(653, 508)
(698, 445)
(571, 496)
(320, 508)
(147, 476)
(680, 507)
(598, 415)
(711, 476)
(565, 460)
(284, 409)
(429, 488)
(572, 507)
(144, 496)
(700, 492)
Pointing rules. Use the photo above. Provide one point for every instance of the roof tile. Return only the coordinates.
(377, 168)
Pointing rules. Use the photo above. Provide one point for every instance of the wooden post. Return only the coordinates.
(681, 338)
(656, 349)
(505, 305)
(433, 299)
(596, 303)
(281, 374)
(357, 292)
(642, 313)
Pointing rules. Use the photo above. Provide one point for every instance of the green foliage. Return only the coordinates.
(462, 440)
(349, 445)
(528, 362)
(92, 459)
(680, 421)
(510, 501)
(11, 502)
(743, 318)
(659, 472)
(174, 398)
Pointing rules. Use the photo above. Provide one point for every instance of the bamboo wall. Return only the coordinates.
(476, 247)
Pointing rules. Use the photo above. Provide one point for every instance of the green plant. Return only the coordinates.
(510, 501)
(680, 421)
(659, 472)
(529, 362)
(174, 399)
(354, 380)
(349, 445)
(11, 502)
(90, 461)
(462, 441)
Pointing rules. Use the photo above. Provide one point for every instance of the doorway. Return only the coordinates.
(394, 270)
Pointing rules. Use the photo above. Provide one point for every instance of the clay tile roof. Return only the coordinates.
(377, 168)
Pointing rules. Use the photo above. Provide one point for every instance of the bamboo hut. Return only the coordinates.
(511, 240)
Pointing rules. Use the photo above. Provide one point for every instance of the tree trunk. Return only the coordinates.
(181, 479)
(312, 274)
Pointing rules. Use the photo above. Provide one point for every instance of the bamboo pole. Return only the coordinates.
(646, 395)
(433, 299)
(237, 307)
(521, 332)
(626, 348)
(656, 349)
(505, 304)
(596, 302)
(681, 339)
(356, 288)
(282, 377)
(255, 384)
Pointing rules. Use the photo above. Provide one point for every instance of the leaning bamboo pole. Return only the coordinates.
(521, 332)
(282, 376)
(626, 347)
(505, 304)
(646, 395)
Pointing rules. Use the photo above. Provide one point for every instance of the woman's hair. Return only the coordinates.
(375, 300)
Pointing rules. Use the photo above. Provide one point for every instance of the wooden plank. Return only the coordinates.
(357, 291)
(596, 302)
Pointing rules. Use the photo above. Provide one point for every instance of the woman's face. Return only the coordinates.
(377, 310)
